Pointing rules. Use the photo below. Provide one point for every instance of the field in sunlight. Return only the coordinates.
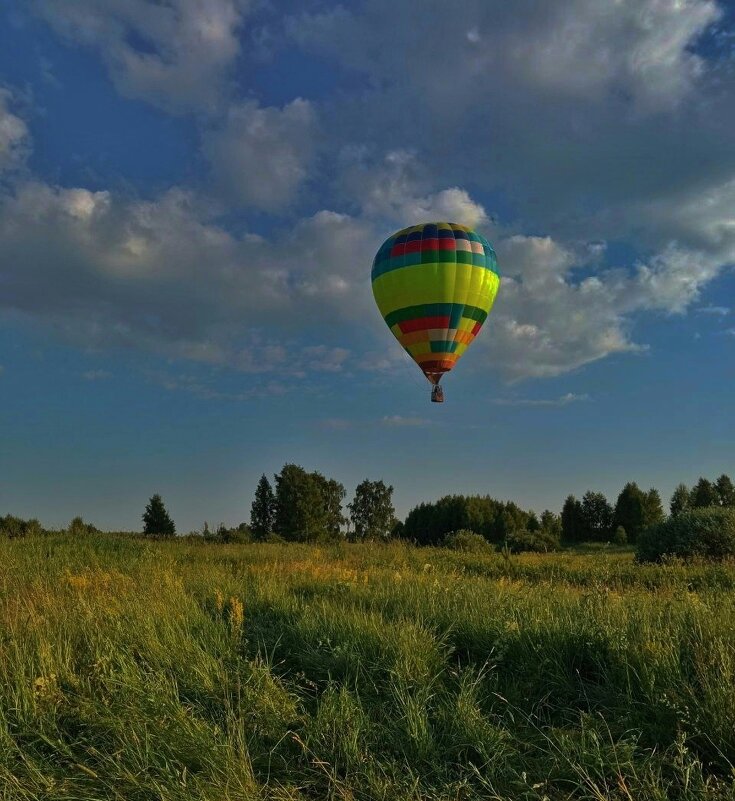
(142, 670)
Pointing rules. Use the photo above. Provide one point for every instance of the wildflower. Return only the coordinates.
(219, 601)
(236, 615)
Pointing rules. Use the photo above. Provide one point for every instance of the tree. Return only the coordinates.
(263, 509)
(679, 500)
(533, 524)
(78, 527)
(597, 515)
(704, 494)
(630, 510)
(332, 494)
(572, 521)
(156, 520)
(298, 504)
(725, 490)
(653, 510)
(551, 524)
(620, 537)
(429, 523)
(308, 505)
(371, 510)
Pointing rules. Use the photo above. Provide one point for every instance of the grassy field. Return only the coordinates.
(150, 670)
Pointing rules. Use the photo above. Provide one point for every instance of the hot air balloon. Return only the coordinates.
(435, 284)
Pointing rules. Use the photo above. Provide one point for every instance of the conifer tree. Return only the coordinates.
(156, 520)
(263, 509)
(725, 490)
(679, 500)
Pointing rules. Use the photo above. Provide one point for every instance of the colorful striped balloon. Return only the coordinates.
(434, 285)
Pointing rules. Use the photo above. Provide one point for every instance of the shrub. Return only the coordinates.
(240, 535)
(708, 533)
(466, 540)
(79, 527)
(540, 541)
(11, 526)
(620, 536)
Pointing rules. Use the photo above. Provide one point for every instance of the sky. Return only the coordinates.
(192, 193)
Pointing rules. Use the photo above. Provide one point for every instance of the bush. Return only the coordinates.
(708, 533)
(620, 536)
(240, 535)
(78, 527)
(466, 540)
(11, 526)
(540, 541)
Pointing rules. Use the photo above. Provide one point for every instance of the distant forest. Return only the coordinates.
(303, 506)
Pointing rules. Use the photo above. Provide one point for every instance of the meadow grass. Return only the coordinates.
(142, 670)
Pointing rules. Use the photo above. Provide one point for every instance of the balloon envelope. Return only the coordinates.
(435, 285)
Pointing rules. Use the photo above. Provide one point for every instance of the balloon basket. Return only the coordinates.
(437, 394)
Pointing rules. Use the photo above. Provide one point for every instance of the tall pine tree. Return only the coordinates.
(156, 520)
(263, 509)
(572, 522)
(725, 490)
(704, 494)
(679, 500)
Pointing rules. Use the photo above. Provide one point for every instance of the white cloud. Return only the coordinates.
(14, 136)
(175, 55)
(566, 108)
(397, 188)
(547, 322)
(564, 400)
(717, 311)
(261, 156)
(580, 48)
(636, 46)
(155, 275)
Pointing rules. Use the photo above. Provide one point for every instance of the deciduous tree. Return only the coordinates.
(597, 515)
(371, 510)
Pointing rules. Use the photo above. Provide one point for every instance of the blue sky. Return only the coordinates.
(191, 194)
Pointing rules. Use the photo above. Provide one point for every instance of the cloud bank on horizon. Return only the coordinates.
(561, 131)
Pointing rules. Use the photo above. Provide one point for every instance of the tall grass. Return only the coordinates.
(168, 670)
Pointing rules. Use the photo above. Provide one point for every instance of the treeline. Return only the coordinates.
(303, 506)
(496, 521)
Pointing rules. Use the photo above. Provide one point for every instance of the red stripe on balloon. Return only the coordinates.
(423, 323)
(436, 366)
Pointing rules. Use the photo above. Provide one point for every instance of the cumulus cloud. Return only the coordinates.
(547, 321)
(578, 48)
(14, 136)
(566, 108)
(156, 275)
(261, 156)
(591, 120)
(397, 188)
(175, 55)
